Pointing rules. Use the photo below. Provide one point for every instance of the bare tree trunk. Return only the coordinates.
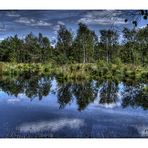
(84, 54)
(107, 58)
(142, 58)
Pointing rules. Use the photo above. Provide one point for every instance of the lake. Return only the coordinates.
(35, 106)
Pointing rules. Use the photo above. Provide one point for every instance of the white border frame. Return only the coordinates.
(75, 5)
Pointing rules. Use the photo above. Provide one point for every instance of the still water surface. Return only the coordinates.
(43, 106)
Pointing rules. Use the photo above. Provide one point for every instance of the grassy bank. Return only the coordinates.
(80, 71)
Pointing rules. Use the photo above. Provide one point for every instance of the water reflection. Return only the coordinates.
(52, 126)
(135, 95)
(30, 84)
(82, 93)
(108, 92)
(85, 93)
(64, 94)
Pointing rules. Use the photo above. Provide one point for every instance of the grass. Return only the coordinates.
(108, 71)
(80, 71)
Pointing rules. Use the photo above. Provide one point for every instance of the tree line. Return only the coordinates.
(129, 47)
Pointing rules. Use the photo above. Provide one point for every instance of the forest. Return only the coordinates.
(85, 47)
(114, 55)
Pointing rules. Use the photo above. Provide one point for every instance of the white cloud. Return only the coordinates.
(20, 97)
(32, 22)
(56, 28)
(13, 101)
(143, 130)
(12, 14)
(1, 38)
(61, 23)
(141, 27)
(110, 105)
(2, 28)
(114, 104)
(105, 17)
(52, 126)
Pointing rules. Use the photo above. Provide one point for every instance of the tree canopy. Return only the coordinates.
(85, 47)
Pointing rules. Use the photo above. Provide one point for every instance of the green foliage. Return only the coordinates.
(109, 42)
(84, 44)
(83, 48)
(64, 42)
(31, 49)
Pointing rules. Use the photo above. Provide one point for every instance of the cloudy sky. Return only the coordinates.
(22, 22)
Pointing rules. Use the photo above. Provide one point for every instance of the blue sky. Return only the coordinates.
(47, 22)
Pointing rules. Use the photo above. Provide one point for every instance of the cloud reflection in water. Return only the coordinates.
(52, 126)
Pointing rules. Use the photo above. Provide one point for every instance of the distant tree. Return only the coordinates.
(84, 44)
(5, 50)
(32, 50)
(16, 45)
(142, 39)
(84, 47)
(45, 48)
(64, 42)
(109, 41)
(11, 49)
(129, 41)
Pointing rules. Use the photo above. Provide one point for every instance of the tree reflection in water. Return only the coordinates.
(64, 94)
(108, 92)
(135, 95)
(30, 84)
(84, 93)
